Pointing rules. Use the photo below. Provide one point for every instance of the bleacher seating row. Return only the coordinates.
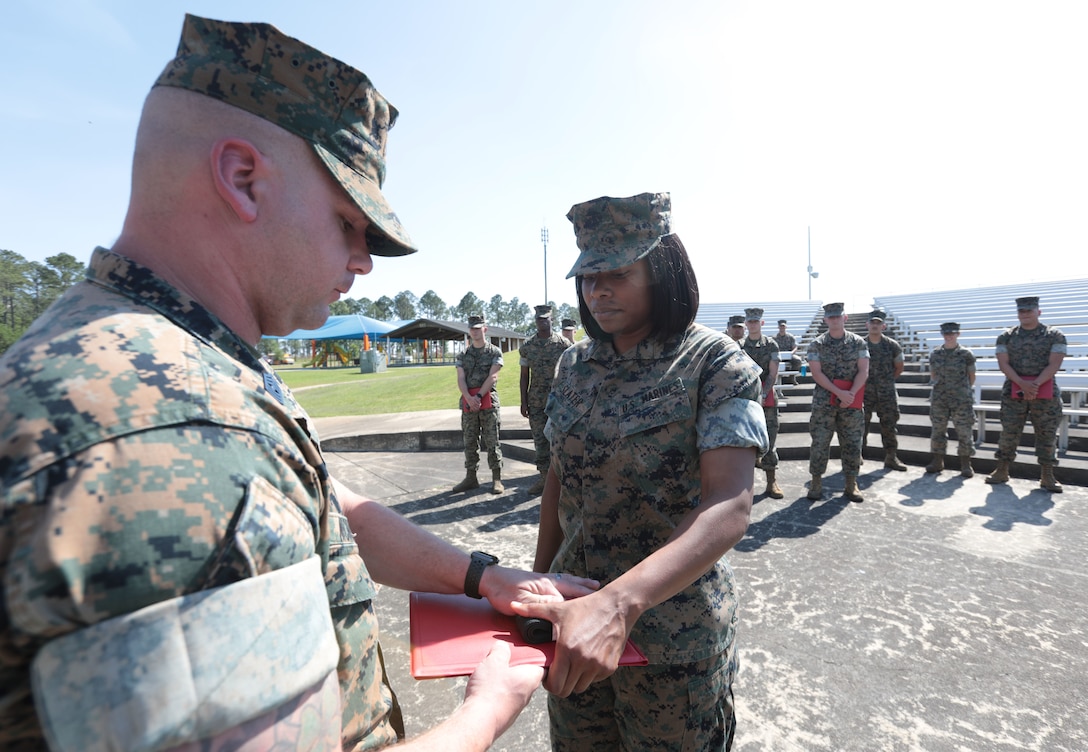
(801, 315)
(983, 341)
(1073, 384)
(982, 312)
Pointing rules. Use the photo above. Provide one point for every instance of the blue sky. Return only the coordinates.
(928, 145)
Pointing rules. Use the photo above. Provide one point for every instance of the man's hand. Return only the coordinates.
(473, 402)
(502, 586)
(590, 632)
(1030, 388)
(500, 689)
(524, 410)
(497, 692)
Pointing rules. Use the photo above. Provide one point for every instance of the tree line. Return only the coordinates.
(27, 288)
(509, 314)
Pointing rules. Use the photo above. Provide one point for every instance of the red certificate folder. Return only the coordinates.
(859, 398)
(1046, 390)
(451, 634)
(485, 401)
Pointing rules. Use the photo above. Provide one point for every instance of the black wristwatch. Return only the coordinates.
(480, 562)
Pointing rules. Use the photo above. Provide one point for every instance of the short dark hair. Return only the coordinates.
(674, 296)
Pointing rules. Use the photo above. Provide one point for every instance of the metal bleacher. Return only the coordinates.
(984, 312)
(803, 316)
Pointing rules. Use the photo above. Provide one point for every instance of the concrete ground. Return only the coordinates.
(939, 614)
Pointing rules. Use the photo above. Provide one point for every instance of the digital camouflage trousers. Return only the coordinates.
(848, 423)
(481, 430)
(1045, 416)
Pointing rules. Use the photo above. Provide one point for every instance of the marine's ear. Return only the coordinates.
(238, 173)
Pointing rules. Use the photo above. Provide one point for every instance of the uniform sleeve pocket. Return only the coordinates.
(268, 532)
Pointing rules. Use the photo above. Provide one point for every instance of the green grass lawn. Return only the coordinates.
(328, 392)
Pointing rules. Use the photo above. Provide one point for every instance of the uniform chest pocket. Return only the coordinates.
(565, 410)
(658, 407)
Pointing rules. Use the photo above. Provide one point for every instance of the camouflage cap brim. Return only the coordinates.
(386, 236)
(590, 262)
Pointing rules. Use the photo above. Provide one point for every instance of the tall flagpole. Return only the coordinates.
(544, 240)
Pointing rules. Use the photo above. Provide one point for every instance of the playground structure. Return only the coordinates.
(322, 350)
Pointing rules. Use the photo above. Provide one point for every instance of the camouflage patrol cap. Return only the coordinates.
(475, 322)
(736, 321)
(1028, 303)
(616, 232)
(753, 314)
(781, 322)
(877, 315)
(950, 327)
(570, 324)
(543, 311)
(834, 309)
(334, 107)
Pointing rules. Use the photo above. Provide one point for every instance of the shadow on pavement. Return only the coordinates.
(800, 519)
(1005, 508)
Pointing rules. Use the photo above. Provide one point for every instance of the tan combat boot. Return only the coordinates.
(538, 487)
(496, 482)
(1000, 473)
(965, 466)
(851, 491)
(892, 462)
(772, 486)
(1048, 481)
(816, 488)
(936, 464)
(468, 483)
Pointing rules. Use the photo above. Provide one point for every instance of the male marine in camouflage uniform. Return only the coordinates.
(787, 343)
(158, 480)
(951, 376)
(569, 327)
(885, 365)
(735, 328)
(538, 358)
(764, 351)
(837, 356)
(1029, 355)
(477, 373)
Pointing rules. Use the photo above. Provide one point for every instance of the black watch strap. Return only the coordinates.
(480, 561)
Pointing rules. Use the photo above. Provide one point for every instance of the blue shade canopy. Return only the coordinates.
(351, 326)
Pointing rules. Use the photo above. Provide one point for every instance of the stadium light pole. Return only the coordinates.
(811, 274)
(544, 240)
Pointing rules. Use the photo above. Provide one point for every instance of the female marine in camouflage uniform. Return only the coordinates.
(952, 374)
(652, 421)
